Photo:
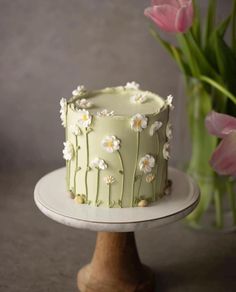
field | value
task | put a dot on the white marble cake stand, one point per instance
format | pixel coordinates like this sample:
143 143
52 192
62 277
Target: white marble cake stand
115 265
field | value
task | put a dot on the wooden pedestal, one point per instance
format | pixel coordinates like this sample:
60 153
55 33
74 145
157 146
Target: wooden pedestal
115 266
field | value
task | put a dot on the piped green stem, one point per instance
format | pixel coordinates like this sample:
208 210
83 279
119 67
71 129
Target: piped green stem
122 177
67 175
76 164
68 166
139 187
98 180
135 166
87 165
109 195
153 190
158 151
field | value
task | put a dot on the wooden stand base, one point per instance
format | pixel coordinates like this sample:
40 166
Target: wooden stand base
115 266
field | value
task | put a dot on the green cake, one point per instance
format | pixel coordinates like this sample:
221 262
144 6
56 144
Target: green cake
117 146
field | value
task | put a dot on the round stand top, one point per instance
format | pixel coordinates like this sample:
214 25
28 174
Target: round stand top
52 199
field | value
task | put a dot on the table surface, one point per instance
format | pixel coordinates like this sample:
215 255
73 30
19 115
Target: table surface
42 255
52 199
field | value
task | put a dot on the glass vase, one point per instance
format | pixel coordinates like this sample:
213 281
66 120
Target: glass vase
217 206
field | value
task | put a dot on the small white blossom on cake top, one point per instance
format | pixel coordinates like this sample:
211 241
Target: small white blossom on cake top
138 122
111 144
84 103
68 151
138 98
169 131
146 163
79 90
84 118
155 127
63 109
63 103
75 130
105 113
98 163
168 102
166 151
109 179
132 85
150 177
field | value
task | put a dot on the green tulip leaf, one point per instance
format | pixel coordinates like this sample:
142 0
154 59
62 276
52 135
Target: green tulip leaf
219 87
210 19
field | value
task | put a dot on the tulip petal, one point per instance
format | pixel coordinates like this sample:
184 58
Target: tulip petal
184 18
220 125
164 16
223 159
185 2
173 3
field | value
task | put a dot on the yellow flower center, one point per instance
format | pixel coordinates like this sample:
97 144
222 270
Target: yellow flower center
110 144
146 163
84 118
137 123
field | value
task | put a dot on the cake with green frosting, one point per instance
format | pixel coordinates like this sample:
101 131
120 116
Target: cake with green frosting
117 146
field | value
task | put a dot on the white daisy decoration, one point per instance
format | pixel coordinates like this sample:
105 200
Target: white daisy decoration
109 179
150 178
169 131
63 110
146 163
132 85
84 103
138 98
75 130
155 127
168 102
84 118
111 144
138 122
98 163
166 151
105 113
68 151
78 91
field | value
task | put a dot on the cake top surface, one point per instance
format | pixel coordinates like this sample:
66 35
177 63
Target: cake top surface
118 101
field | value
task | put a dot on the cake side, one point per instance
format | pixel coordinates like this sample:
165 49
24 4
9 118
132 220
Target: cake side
116 160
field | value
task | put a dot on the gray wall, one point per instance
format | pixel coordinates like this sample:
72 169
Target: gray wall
48 47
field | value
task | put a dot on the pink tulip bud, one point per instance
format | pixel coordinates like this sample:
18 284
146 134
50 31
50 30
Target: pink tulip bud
220 125
223 159
171 15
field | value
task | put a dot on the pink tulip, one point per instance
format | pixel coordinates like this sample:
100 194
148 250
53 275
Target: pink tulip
171 15
220 125
223 159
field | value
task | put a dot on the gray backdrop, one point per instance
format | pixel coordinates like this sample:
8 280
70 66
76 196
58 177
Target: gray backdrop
49 47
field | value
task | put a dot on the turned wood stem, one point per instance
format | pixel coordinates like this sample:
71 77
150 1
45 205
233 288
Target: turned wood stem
115 253
115 266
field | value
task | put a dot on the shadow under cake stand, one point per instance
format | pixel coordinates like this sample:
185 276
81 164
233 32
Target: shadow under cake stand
115 265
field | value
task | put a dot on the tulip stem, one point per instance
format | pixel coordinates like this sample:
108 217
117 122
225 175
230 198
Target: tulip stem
232 201
218 209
